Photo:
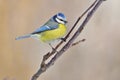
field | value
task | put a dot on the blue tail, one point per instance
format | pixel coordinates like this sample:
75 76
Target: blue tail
23 37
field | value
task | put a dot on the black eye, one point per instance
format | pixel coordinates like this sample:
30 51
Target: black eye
63 20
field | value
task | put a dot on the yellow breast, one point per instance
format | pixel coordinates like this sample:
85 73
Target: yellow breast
51 35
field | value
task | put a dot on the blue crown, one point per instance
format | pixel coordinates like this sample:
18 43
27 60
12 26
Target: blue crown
61 15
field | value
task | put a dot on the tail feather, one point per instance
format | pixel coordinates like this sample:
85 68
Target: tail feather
23 37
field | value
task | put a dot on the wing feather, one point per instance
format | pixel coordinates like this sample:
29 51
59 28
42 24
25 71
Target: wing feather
50 25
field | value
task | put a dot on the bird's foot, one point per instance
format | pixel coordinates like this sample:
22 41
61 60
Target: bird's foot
63 39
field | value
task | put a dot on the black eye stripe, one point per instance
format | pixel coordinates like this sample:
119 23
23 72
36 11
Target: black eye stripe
61 19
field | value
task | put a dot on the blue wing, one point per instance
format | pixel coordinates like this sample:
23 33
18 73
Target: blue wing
41 29
50 25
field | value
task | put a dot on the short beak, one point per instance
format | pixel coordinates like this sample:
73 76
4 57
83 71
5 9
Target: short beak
66 21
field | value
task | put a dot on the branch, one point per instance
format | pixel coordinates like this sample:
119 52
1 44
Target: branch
78 42
44 66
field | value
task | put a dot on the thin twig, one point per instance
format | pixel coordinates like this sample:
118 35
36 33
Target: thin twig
44 66
78 42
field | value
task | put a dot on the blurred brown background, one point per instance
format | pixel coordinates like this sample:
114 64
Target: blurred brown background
98 58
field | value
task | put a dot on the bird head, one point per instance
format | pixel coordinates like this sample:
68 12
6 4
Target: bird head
60 18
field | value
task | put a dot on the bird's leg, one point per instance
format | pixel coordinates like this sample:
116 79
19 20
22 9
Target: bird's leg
52 47
63 39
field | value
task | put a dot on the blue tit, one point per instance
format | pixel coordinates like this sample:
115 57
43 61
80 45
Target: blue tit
53 29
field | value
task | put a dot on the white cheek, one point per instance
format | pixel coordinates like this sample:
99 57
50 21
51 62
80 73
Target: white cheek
59 21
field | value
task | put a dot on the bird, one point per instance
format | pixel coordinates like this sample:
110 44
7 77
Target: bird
54 29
